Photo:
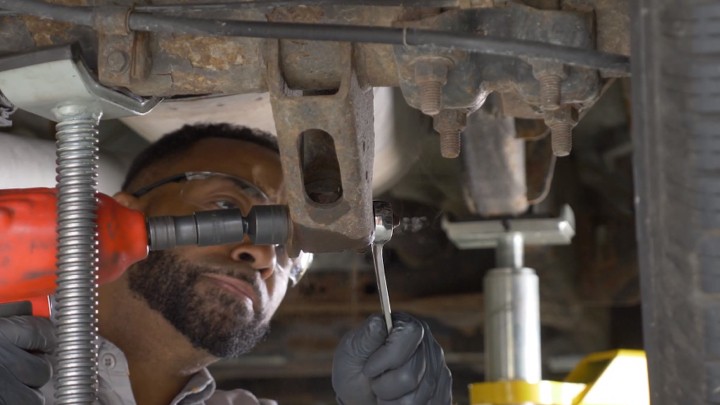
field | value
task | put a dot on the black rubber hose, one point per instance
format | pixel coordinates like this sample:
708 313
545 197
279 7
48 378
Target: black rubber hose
346 33
224 6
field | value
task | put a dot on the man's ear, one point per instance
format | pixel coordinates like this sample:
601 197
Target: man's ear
128 200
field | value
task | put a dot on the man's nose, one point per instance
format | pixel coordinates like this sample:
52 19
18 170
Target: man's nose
259 257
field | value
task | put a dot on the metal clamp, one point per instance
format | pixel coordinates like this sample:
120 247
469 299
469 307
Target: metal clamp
535 231
37 82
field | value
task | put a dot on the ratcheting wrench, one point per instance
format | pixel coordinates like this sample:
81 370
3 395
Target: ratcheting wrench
383 233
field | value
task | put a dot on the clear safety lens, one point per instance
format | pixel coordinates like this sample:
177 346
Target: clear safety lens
214 191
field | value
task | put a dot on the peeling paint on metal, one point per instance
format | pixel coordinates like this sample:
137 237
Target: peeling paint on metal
46 32
210 53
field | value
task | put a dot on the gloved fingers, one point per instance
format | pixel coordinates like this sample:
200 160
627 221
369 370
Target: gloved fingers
422 396
435 385
429 392
404 339
33 370
396 383
352 388
350 384
28 332
14 392
436 388
443 392
365 341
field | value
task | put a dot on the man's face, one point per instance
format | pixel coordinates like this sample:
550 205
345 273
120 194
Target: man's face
222 297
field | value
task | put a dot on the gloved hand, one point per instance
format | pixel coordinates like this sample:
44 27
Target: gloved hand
407 367
23 367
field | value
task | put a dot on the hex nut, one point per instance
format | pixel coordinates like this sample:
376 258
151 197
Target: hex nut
117 61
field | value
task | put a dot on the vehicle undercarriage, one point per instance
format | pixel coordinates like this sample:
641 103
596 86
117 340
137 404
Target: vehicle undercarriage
452 110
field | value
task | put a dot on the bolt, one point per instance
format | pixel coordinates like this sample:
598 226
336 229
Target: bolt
117 61
450 143
561 123
559 118
561 137
549 91
430 97
431 76
449 124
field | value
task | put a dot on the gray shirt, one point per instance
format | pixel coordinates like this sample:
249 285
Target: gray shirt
114 385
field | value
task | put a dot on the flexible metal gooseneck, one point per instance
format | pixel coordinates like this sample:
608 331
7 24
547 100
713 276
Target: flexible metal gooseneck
77 170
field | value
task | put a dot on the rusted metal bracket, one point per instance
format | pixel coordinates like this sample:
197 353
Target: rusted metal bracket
344 218
123 55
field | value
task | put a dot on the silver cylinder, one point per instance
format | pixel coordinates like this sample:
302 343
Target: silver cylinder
512 325
510 251
77 170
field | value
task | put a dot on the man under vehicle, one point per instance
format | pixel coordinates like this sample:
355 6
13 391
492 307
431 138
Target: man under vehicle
171 315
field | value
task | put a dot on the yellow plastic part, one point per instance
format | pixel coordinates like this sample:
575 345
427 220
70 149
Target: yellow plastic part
520 392
617 377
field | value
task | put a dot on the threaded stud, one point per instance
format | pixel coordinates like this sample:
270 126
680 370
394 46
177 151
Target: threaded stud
549 91
561 137
431 74
431 97
450 142
449 124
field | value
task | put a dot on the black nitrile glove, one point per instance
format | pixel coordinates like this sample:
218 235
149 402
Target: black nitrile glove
406 368
23 366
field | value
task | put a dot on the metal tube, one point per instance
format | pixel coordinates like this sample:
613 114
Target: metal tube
510 250
77 170
512 325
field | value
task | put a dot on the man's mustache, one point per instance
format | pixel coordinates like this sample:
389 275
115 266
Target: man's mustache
233 273
238 271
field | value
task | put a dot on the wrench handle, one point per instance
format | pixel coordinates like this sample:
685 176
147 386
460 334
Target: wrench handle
377 251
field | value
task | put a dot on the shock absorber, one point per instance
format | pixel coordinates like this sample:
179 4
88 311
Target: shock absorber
77 171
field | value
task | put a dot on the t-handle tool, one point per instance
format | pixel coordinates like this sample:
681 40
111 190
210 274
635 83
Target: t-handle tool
383 233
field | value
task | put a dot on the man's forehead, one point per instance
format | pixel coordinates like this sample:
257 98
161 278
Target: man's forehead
246 160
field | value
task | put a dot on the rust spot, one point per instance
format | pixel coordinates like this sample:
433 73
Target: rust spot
189 82
209 53
46 32
305 14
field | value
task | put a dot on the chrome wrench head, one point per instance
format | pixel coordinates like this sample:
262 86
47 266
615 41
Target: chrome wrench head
383 222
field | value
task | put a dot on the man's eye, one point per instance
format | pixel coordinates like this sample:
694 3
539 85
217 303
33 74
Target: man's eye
225 205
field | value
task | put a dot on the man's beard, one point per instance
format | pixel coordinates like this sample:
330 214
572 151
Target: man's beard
168 284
